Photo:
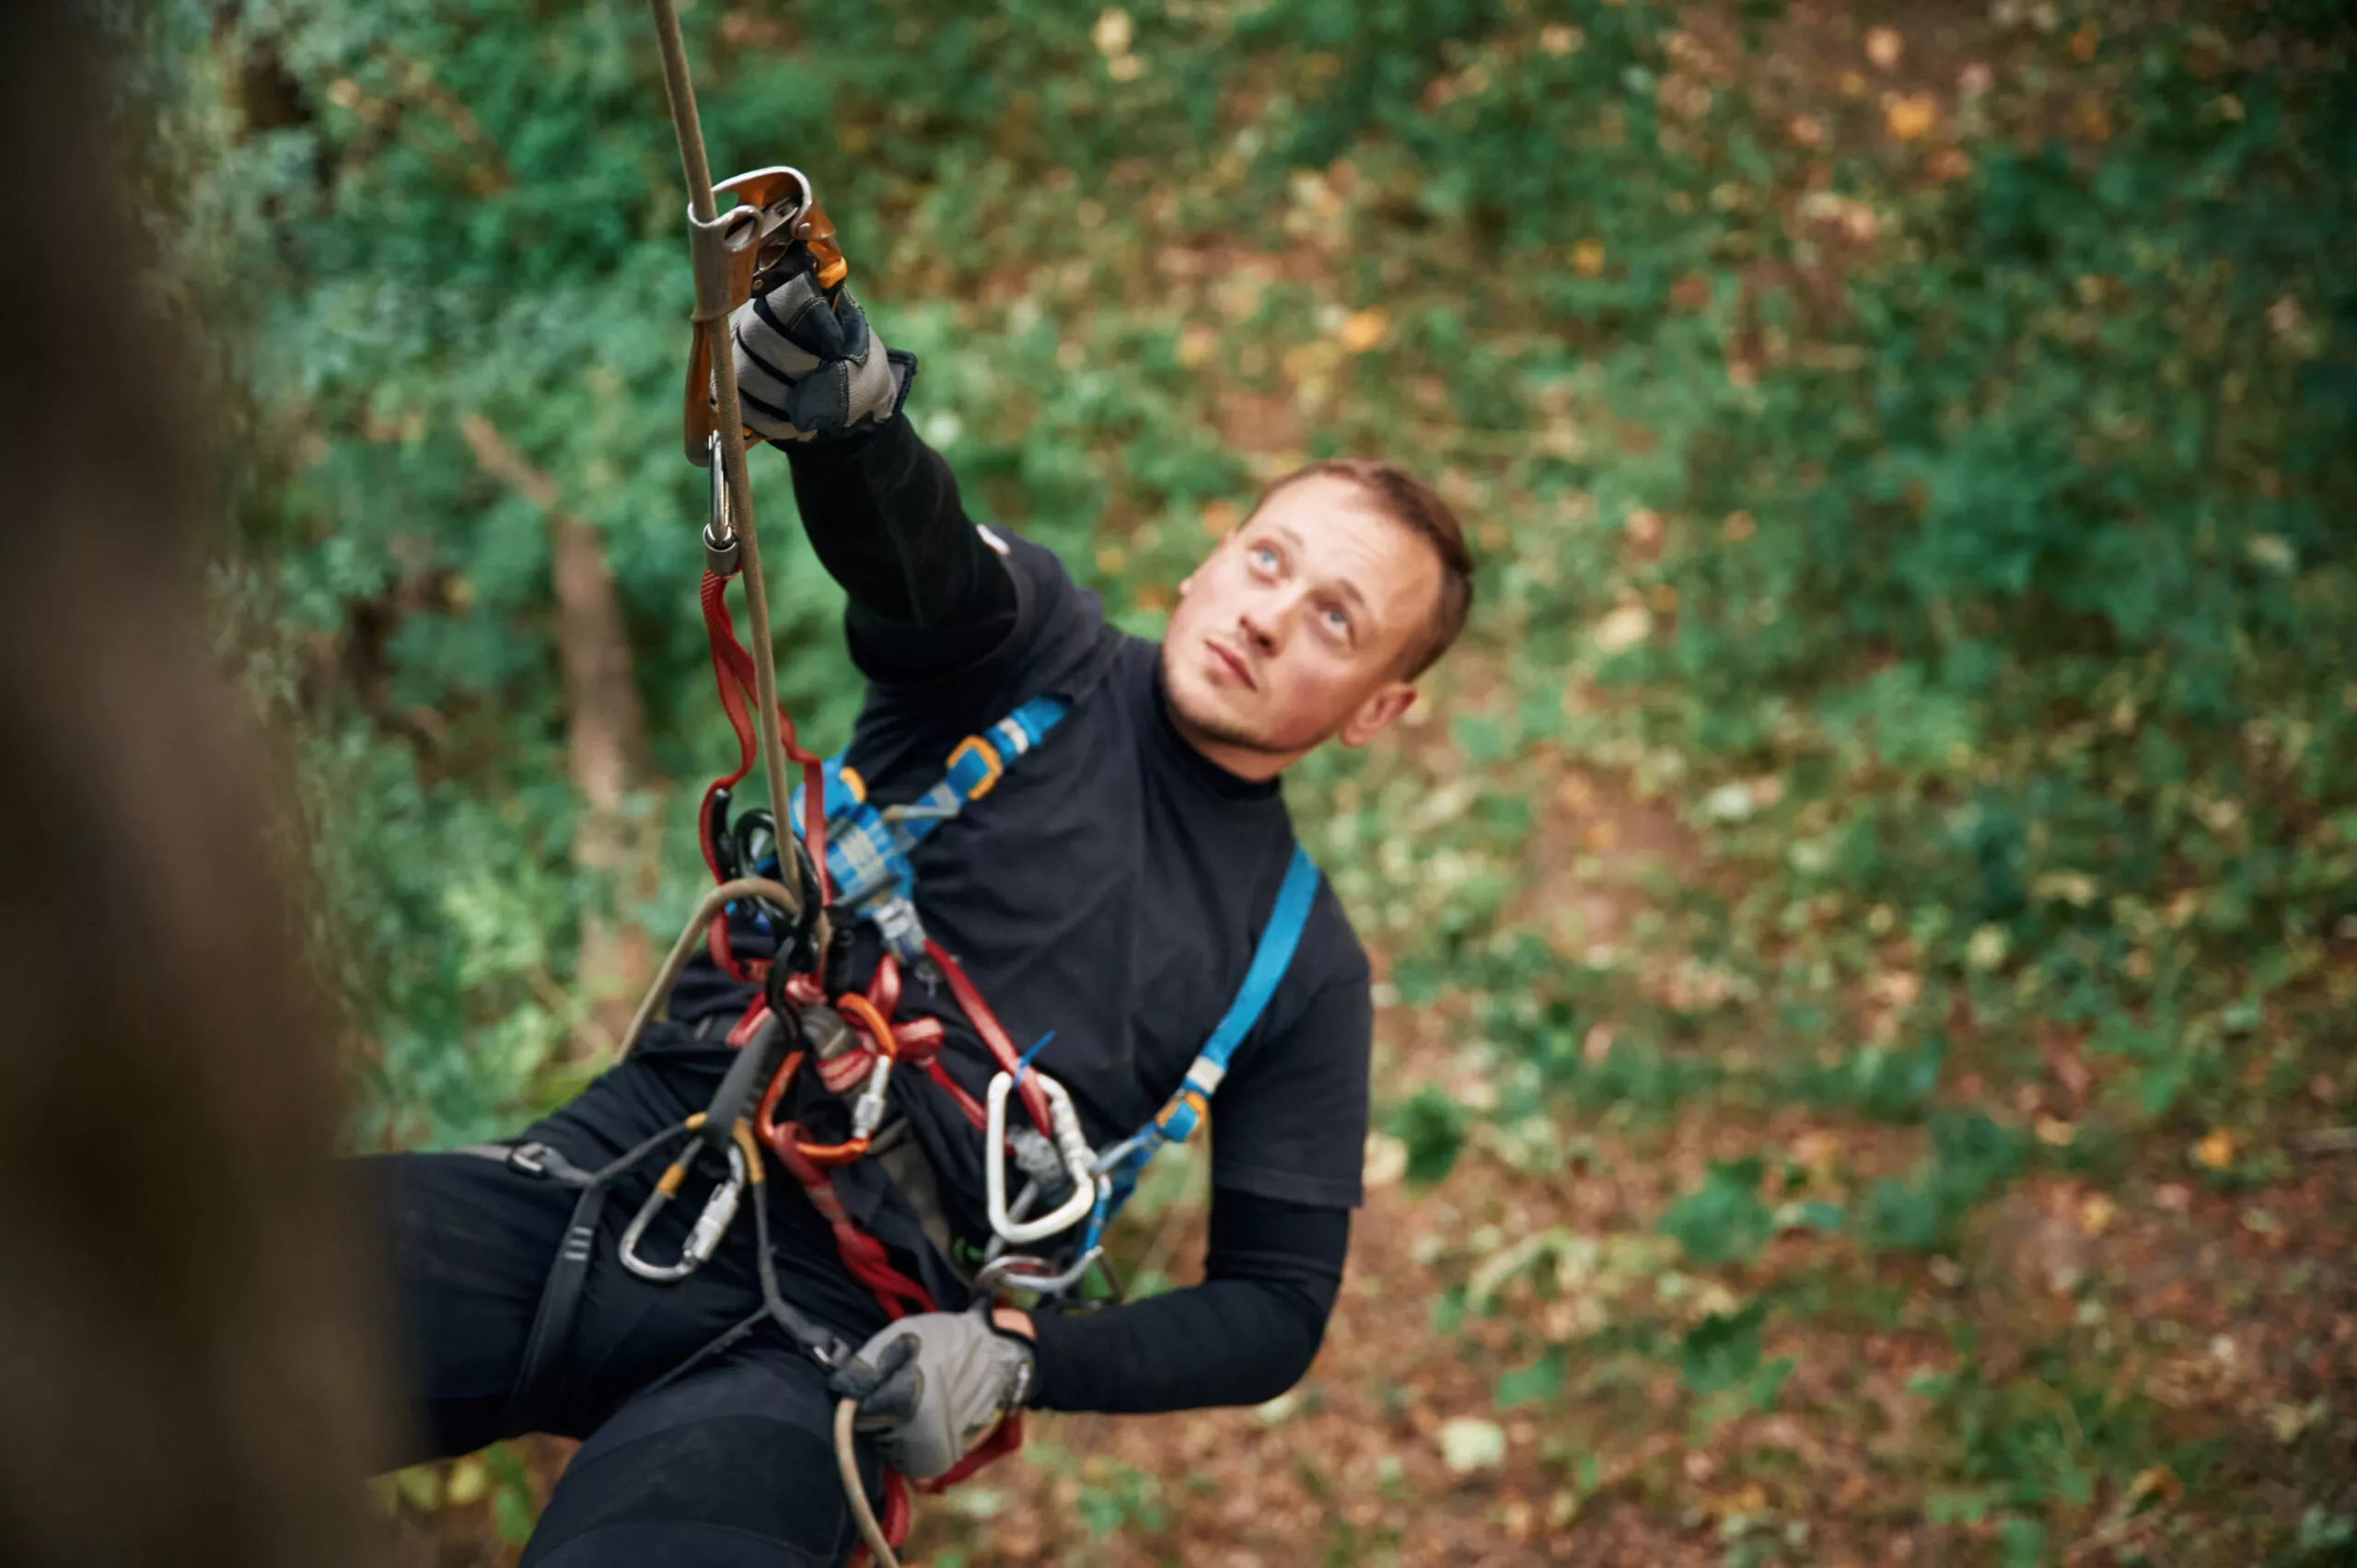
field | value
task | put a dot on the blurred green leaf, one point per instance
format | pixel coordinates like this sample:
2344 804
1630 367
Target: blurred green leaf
1432 1125
1723 1221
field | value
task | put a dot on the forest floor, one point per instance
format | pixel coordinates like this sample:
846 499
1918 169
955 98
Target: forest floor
2152 1367
1671 1327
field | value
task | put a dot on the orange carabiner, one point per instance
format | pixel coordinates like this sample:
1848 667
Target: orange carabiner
867 1111
863 1013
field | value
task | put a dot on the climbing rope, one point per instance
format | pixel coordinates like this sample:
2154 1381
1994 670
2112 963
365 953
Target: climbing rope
711 313
736 517
847 1463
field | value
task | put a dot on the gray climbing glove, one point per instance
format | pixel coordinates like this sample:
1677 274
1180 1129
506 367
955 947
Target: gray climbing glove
933 1386
808 367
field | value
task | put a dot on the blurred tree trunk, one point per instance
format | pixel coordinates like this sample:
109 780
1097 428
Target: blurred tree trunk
193 1359
605 741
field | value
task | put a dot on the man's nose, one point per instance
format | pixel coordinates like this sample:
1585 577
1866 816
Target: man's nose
1264 618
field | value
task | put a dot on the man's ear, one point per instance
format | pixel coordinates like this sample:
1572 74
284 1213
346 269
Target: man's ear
1379 713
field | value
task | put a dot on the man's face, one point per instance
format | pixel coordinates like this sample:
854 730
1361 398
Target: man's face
1296 628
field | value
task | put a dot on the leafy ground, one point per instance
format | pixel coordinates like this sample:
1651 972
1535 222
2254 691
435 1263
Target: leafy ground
1867 923
1612 1341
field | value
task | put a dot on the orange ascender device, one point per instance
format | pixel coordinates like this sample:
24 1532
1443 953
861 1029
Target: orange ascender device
776 210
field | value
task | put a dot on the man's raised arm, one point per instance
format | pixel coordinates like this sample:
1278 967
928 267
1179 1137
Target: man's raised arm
928 594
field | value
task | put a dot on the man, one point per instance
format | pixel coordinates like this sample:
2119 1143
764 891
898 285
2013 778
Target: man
1110 891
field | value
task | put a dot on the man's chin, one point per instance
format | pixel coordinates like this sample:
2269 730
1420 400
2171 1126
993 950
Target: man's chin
1202 718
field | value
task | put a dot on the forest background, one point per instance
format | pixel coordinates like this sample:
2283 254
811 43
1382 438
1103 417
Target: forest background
1867 926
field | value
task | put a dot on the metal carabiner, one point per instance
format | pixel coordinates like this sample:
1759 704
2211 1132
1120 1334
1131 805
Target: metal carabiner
1013 1271
1064 1121
721 556
704 1239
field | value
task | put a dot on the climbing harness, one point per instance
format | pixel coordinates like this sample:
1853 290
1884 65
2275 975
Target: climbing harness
836 854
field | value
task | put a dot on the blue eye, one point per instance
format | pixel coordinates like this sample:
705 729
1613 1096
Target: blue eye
1262 555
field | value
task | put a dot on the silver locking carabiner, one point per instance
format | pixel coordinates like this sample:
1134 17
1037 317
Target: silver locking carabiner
704 1239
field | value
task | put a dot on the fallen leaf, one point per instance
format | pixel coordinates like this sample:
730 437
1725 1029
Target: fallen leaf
1364 328
2096 1214
1196 346
468 1480
1884 46
1387 1160
1728 803
1587 258
1625 628
1468 1443
1747 1502
2216 1151
1276 1412
1111 33
1909 117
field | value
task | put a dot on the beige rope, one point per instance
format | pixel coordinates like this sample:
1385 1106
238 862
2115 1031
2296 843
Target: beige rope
847 1462
680 89
690 938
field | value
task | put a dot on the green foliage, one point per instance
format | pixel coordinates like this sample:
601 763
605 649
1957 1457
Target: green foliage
514 1504
1723 1221
2034 611
1720 1360
2021 1446
1539 1382
1953 555
1970 1156
1432 1127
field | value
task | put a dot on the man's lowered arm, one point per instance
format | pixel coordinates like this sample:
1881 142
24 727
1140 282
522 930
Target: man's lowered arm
1242 1337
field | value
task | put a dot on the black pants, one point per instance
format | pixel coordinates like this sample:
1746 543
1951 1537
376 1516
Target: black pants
729 1467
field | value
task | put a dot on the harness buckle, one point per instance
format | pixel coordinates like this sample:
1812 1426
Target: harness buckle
991 766
704 1239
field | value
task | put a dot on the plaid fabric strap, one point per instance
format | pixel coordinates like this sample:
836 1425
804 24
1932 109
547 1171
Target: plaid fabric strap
868 846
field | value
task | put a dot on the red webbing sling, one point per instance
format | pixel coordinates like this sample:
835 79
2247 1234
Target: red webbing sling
732 669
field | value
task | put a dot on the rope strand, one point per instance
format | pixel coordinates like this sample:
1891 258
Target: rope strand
680 88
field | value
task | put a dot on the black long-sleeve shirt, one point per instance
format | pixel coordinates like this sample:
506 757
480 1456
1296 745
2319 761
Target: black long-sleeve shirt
1111 888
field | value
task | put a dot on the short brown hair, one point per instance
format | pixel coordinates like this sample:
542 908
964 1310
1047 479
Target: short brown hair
1406 500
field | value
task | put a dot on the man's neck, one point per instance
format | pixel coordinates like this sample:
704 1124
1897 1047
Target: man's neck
1251 763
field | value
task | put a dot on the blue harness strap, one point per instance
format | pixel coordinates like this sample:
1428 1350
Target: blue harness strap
1184 1112
1186 1109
